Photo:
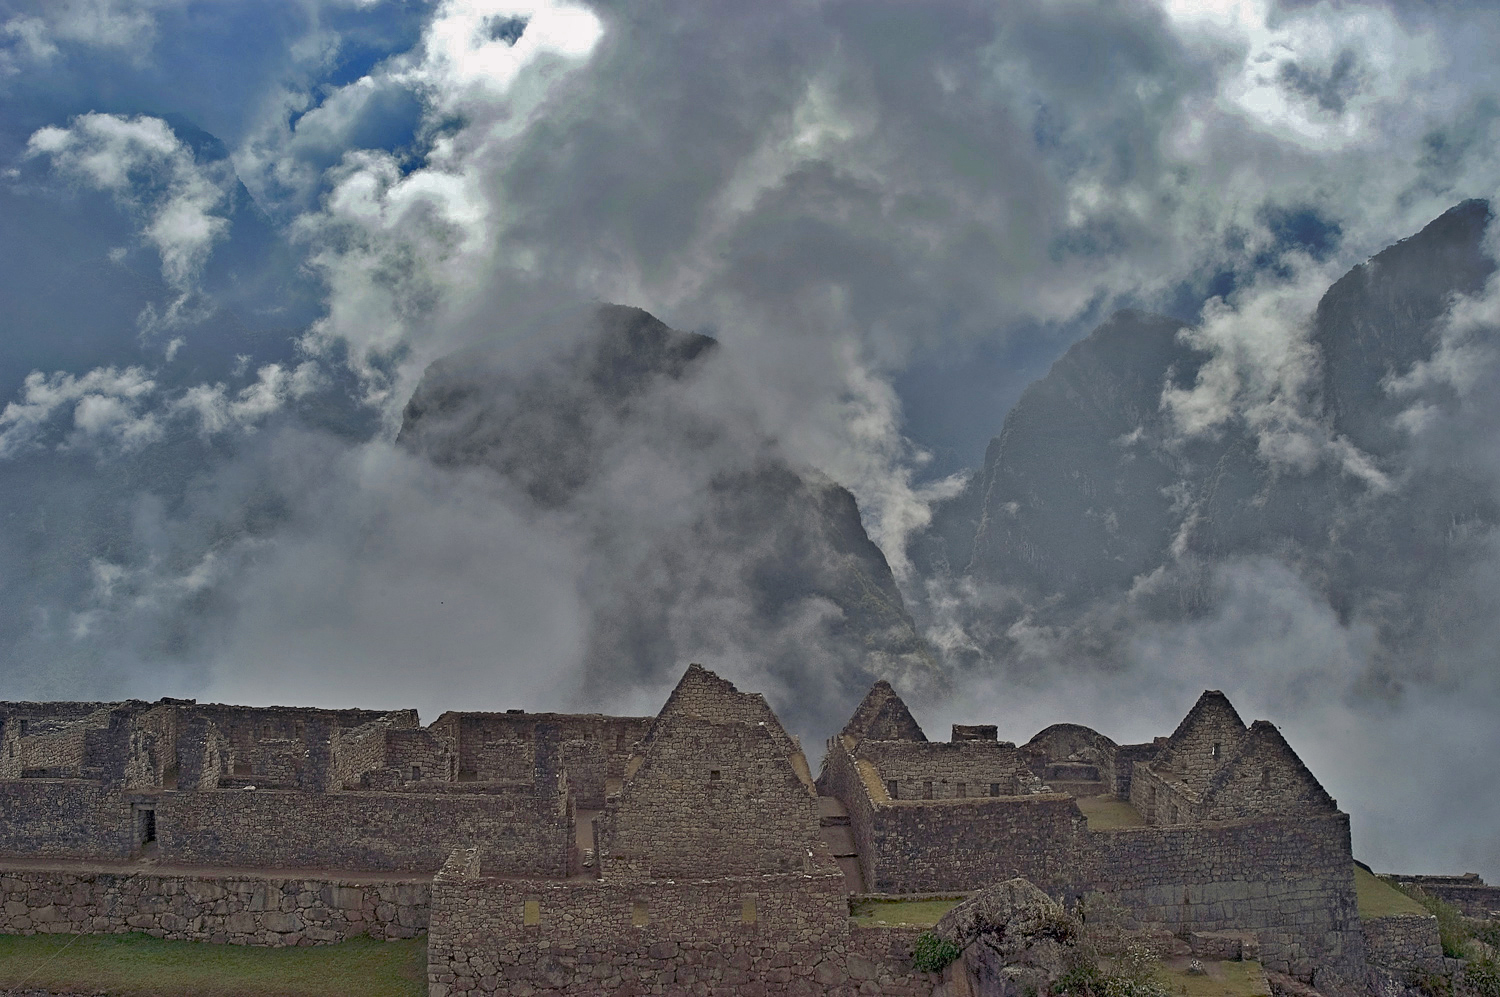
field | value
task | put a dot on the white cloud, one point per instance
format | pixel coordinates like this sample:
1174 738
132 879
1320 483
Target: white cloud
128 27
106 405
1261 373
145 167
217 410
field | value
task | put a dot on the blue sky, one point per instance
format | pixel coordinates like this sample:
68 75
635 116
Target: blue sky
232 235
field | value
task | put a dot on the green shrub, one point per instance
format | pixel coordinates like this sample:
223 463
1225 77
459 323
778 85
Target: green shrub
1482 977
933 954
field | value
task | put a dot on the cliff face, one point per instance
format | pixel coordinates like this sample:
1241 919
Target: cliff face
1088 491
700 544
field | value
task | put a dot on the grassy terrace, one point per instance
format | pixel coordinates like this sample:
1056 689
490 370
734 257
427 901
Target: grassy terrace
1378 898
908 913
1105 813
137 965
1220 979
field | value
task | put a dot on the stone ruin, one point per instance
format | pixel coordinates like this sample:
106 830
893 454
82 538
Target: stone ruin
692 851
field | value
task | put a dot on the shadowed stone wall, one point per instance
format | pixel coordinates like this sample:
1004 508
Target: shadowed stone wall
519 833
238 910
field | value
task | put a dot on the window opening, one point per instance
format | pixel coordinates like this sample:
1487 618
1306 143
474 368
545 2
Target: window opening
927 789
1216 751
963 790
714 775
416 773
1265 776
994 789
890 789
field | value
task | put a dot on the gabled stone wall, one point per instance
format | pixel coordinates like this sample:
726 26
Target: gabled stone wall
1264 777
709 797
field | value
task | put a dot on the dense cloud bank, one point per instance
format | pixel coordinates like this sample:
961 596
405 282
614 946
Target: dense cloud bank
231 265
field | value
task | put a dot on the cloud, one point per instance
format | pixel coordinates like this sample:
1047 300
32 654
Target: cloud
118 412
102 24
107 407
147 169
218 411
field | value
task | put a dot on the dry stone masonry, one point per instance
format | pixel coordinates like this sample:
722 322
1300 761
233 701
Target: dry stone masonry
691 852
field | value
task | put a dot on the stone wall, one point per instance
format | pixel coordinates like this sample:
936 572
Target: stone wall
710 798
355 752
784 934
1161 800
944 770
519 833
47 818
1127 757
1406 943
239 910
502 747
1468 893
1290 881
152 761
961 845
1264 777
1057 749
1203 743
703 695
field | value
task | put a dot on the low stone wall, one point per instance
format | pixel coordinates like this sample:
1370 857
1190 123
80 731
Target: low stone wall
774 934
1475 901
1406 943
238 910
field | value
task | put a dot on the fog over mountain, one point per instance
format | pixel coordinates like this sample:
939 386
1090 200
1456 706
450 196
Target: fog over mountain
469 354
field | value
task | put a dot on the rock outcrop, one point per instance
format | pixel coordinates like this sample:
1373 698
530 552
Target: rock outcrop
1013 939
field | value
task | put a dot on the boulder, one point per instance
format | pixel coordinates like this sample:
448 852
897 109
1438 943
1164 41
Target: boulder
1012 937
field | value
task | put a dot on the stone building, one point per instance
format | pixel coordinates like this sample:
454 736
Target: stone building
579 854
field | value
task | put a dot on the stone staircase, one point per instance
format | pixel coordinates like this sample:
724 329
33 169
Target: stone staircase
833 821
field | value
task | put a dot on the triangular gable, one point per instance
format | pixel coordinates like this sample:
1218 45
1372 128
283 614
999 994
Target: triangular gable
1200 747
1213 707
702 694
882 716
1265 776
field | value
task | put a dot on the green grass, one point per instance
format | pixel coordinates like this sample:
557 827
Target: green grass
137 965
1105 813
913 913
1220 979
1377 898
